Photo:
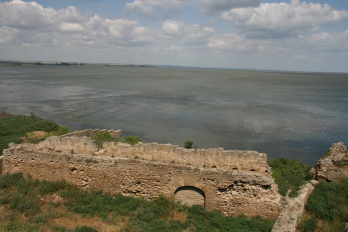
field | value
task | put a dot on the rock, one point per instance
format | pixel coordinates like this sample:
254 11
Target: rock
334 166
314 182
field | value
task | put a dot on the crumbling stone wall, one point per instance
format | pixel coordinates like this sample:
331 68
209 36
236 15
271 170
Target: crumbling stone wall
213 157
292 212
234 182
328 168
92 133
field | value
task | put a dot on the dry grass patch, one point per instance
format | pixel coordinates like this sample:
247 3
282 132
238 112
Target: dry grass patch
35 136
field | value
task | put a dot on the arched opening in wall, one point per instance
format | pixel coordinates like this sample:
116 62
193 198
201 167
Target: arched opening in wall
190 195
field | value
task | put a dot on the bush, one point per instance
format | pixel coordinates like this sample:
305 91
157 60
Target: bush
308 225
132 140
203 220
289 174
188 144
18 226
329 200
104 136
63 130
24 195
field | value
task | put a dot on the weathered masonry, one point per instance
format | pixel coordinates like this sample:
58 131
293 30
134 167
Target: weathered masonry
231 181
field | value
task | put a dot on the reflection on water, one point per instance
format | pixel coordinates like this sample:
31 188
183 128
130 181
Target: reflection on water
288 114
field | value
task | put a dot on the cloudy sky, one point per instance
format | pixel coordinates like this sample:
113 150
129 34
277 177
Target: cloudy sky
248 34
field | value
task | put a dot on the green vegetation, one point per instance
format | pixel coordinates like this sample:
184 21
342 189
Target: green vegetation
77 229
105 136
329 202
327 153
132 140
308 225
22 196
13 128
341 163
289 174
189 145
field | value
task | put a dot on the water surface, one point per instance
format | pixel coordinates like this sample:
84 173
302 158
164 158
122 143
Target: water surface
284 114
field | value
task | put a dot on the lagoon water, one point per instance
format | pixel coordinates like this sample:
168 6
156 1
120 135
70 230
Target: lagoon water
284 114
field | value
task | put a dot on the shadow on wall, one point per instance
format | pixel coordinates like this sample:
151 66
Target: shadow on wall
190 195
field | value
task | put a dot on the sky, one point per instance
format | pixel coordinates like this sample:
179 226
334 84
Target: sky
291 35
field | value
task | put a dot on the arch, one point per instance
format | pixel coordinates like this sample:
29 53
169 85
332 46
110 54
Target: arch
190 195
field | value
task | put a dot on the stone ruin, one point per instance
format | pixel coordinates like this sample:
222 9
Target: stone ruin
231 181
334 166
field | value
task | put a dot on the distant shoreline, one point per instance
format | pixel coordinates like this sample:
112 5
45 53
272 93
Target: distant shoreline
38 63
53 63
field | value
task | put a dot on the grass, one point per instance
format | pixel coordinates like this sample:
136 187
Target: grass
289 175
327 154
21 198
308 225
105 136
329 202
13 128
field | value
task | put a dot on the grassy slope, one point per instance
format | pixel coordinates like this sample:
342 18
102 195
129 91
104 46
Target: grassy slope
14 127
289 175
328 207
31 205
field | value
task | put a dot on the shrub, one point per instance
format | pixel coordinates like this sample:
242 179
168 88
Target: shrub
132 140
18 226
44 217
24 195
104 136
63 130
329 201
8 180
289 174
188 144
308 225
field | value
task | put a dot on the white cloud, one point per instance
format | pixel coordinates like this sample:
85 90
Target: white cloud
215 6
197 35
232 42
174 48
22 15
7 35
167 8
35 24
103 7
283 19
325 42
170 8
172 28
71 27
